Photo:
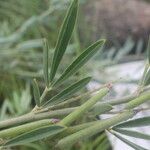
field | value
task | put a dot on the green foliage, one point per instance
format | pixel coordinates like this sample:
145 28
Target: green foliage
132 133
46 62
80 61
68 91
64 37
139 122
19 104
133 145
65 128
36 93
35 135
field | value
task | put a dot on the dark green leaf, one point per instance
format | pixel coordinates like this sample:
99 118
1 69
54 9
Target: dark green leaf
68 91
140 122
80 61
148 50
35 135
46 62
36 93
64 37
133 145
133 133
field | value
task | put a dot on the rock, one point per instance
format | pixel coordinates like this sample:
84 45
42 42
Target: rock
117 19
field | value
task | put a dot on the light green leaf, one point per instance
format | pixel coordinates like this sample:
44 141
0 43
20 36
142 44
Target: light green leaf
140 122
36 93
80 61
35 135
133 133
46 62
64 37
131 144
68 91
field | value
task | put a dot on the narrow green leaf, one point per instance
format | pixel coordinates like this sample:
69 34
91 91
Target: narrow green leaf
64 37
36 93
133 133
46 62
80 61
148 50
35 135
140 122
68 92
133 145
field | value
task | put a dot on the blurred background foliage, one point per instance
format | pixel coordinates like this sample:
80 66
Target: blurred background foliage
24 24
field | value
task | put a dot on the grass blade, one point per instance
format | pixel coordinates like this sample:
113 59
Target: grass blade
68 91
133 133
80 61
140 122
35 135
131 144
46 62
36 93
64 37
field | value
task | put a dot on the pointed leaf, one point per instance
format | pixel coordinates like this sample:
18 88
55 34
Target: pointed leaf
35 135
64 37
36 93
133 133
80 61
68 91
133 145
140 122
46 62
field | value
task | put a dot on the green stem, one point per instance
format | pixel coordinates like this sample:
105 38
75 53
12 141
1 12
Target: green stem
117 101
34 117
14 131
127 99
46 90
96 128
73 129
85 107
138 101
46 115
